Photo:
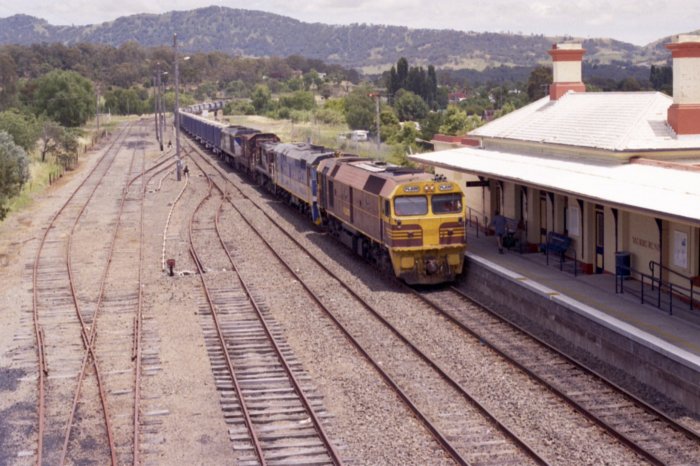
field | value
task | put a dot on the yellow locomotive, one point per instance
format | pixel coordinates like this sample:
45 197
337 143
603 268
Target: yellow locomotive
395 216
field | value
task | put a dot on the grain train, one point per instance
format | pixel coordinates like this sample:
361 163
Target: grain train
402 219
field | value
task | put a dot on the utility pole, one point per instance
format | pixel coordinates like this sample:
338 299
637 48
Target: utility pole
377 96
155 103
177 112
97 109
161 106
159 109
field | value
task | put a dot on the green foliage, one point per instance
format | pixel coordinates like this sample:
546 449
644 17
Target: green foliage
14 170
65 96
236 88
537 83
261 98
205 91
128 101
23 128
430 125
457 122
504 110
330 116
661 78
299 100
390 125
409 106
413 79
359 109
8 81
239 107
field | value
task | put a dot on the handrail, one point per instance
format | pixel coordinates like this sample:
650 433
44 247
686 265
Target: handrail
657 284
653 264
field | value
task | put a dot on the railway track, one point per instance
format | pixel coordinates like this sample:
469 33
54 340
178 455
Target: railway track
274 414
475 435
649 432
88 386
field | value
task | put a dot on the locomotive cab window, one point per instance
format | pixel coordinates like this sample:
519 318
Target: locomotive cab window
411 205
446 203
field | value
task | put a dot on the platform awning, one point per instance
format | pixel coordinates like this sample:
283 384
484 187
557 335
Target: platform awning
662 192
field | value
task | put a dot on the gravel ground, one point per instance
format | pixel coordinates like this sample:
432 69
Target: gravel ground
182 422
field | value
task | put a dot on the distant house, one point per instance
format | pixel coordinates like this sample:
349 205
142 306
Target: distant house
456 97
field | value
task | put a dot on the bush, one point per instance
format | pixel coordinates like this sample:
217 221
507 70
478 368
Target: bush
14 170
330 116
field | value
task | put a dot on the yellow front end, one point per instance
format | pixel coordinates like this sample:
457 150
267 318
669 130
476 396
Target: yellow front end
425 232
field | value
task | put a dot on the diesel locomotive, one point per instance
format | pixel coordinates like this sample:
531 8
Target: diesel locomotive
402 219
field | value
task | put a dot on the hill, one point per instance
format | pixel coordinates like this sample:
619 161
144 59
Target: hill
370 48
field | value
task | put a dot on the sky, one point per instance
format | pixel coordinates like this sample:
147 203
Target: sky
636 21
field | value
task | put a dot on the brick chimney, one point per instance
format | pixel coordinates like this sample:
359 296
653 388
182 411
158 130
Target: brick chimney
684 114
566 68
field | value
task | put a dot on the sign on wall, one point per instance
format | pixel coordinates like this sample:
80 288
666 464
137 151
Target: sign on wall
680 249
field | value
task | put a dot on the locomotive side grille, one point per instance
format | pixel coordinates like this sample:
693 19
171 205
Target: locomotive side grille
451 233
402 236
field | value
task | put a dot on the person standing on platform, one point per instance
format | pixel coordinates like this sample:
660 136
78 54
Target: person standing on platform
498 223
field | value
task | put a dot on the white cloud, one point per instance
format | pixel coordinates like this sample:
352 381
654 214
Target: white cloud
637 21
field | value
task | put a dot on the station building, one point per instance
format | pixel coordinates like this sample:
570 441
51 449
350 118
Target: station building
616 172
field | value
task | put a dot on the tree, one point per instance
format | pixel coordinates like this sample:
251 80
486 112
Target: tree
261 98
401 73
65 96
359 109
8 81
661 78
431 97
457 122
537 83
23 128
409 106
14 170
49 138
390 125
430 125
299 100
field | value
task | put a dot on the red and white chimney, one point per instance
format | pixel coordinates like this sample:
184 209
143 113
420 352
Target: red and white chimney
684 114
566 69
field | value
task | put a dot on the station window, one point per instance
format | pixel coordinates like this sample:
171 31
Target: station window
446 203
411 205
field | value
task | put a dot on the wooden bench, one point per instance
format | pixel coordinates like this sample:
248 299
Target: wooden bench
558 244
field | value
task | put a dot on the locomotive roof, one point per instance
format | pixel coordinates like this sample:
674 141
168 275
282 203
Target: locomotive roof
235 130
303 151
370 175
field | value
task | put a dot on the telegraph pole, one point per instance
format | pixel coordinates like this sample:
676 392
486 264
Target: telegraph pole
155 103
161 109
177 112
97 109
377 96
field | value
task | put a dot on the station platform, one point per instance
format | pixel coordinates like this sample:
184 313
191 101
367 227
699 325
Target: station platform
646 342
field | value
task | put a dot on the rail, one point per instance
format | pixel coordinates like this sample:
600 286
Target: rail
473 220
658 286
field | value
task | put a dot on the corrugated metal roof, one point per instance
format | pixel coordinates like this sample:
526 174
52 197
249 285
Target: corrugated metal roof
664 192
614 121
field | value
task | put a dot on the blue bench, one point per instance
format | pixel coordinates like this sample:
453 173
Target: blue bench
558 244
